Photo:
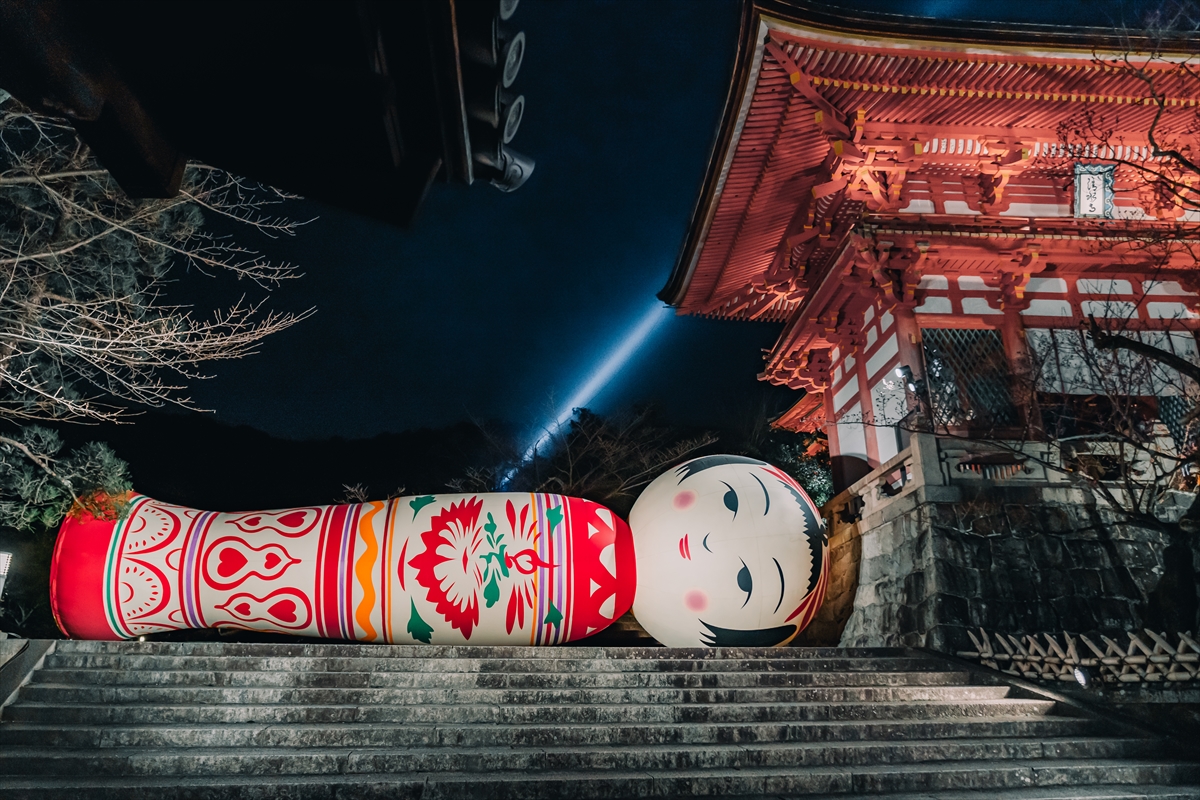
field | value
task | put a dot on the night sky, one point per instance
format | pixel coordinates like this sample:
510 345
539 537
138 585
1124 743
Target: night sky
502 307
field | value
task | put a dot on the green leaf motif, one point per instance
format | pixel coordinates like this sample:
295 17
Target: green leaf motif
490 525
419 629
491 592
554 516
553 616
498 556
417 503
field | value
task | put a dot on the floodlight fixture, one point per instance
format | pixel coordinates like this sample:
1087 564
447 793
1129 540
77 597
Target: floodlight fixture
1083 676
905 373
5 563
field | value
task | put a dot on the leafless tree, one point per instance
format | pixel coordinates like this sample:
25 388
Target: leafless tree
86 326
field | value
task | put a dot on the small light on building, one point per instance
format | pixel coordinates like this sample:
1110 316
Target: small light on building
141 638
1083 676
5 563
905 373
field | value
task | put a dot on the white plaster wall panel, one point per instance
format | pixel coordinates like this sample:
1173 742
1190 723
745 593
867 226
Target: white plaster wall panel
1169 311
886 352
1104 287
1171 288
935 282
1048 308
885 321
935 305
1055 285
974 283
919 206
846 393
890 404
852 438
959 207
978 305
1121 211
1121 309
1037 210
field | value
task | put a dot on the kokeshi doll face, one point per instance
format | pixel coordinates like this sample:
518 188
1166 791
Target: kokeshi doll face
505 568
731 552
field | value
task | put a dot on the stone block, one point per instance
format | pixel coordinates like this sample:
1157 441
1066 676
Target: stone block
1093 558
1112 613
952 579
1046 550
1087 583
1056 582
946 609
1021 584
1056 519
915 586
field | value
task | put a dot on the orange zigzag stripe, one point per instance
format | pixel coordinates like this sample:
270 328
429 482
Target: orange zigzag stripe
364 570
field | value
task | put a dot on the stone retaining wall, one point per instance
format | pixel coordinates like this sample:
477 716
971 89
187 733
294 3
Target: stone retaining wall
939 557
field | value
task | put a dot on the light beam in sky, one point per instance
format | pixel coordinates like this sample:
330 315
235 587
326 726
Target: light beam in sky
617 358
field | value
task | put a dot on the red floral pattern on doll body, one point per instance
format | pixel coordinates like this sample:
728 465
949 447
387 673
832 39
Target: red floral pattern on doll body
448 568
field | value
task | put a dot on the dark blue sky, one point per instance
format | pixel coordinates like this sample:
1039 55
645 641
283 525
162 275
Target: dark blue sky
501 306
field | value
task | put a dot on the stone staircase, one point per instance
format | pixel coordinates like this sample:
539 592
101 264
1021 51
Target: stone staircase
158 720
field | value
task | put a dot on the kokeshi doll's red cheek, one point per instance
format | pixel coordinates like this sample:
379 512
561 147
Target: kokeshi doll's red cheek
484 569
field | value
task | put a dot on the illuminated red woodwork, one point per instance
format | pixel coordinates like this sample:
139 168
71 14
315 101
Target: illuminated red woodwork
871 183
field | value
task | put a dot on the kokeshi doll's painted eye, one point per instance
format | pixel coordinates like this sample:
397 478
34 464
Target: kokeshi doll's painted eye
501 568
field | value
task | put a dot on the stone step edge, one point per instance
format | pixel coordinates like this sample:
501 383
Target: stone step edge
457 650
25 752
668 774
1022 701
950 689
102 671
960 720
66 661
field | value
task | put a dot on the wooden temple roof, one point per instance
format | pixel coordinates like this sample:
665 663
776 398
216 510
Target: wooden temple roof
833 122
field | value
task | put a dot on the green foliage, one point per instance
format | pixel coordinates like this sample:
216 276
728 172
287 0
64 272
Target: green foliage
791 453
39 485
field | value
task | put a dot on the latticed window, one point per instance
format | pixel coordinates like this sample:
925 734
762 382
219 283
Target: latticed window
968 377
1179 415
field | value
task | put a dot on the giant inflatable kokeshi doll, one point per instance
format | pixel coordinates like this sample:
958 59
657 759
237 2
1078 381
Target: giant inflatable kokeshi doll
506 568
731 552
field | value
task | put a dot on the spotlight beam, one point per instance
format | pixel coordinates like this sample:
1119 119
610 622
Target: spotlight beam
616 359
